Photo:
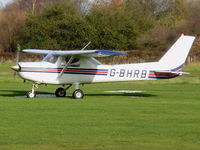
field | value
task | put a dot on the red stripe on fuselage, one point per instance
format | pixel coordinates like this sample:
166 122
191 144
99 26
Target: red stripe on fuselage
86 71
161 74
69 70
53 70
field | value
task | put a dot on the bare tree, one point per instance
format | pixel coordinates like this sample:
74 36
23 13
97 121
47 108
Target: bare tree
33 6
10 22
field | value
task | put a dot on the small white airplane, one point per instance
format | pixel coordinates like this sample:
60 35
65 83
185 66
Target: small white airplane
80 67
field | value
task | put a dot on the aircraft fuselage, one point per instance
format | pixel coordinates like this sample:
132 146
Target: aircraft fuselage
47 73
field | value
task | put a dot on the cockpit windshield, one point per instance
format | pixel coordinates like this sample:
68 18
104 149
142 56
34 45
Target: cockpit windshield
51 58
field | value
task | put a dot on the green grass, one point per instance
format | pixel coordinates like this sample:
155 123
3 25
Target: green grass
164 117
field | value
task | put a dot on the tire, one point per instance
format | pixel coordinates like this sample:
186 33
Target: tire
31 94
60 92
78 94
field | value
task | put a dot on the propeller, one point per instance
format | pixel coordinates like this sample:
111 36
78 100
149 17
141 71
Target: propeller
18 53
16 67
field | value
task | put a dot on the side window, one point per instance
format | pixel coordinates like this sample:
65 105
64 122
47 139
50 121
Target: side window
75 62
53 59
64 61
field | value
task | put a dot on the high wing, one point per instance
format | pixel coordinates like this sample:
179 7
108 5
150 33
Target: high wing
88 53
73 53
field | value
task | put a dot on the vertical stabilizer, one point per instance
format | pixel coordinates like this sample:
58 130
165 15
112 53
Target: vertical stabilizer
177 54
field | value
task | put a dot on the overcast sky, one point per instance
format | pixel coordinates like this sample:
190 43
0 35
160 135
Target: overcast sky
4 2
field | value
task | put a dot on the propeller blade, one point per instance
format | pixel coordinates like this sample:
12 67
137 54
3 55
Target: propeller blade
18 53
17 60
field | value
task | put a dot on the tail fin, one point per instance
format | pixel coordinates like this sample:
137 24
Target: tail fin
177 54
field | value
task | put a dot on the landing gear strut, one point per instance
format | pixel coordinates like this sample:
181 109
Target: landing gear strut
32 94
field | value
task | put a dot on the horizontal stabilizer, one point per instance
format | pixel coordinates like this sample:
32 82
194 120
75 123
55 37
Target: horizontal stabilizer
170 72
87 53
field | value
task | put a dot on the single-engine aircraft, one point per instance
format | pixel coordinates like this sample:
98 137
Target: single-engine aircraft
79 67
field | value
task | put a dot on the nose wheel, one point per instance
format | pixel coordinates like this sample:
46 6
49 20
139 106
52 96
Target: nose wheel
32 94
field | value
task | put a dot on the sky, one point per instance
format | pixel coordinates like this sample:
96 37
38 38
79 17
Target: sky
4 2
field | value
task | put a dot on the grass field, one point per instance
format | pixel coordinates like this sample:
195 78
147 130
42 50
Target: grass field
163 117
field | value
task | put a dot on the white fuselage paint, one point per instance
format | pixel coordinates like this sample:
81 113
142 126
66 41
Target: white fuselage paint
47 73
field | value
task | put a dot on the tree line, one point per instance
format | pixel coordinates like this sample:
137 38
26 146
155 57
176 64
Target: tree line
114 24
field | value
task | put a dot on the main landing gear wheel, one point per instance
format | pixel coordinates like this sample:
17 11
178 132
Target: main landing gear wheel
78 94
31 94
60 92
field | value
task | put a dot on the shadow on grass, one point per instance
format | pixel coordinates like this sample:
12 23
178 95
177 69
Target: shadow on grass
123 94
15 93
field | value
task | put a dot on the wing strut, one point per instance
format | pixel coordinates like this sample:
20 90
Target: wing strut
70 60
86 46
68 63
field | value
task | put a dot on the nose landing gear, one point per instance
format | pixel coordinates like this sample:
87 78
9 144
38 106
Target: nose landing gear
32 94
